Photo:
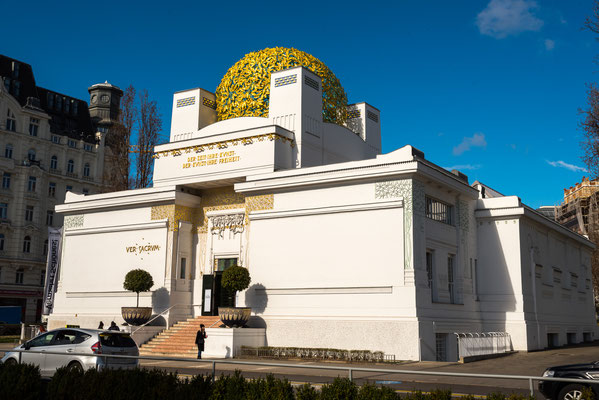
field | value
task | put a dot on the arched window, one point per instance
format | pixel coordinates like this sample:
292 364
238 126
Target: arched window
27 244
8 151
86 169
11 121
31 155
70 166
1 241
54 162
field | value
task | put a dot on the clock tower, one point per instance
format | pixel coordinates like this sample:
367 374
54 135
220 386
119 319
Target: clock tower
104 104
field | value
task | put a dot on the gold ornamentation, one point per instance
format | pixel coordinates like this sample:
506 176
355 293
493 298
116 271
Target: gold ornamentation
224 144
174 214
245 89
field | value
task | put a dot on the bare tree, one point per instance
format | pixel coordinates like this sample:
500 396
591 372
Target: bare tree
590 128
149 127
590 156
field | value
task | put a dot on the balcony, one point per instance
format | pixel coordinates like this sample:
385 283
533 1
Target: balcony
55 171
71 175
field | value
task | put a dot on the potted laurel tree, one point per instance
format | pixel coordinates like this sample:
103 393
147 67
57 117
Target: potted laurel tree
137 280
235 278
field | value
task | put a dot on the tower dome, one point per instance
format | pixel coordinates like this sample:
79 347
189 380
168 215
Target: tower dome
244 91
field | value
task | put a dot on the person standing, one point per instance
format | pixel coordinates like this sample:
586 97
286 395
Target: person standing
113 327
200 338
101 326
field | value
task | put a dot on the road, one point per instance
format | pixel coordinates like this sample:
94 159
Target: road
530 364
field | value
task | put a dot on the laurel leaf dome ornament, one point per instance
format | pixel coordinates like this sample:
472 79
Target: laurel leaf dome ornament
244 91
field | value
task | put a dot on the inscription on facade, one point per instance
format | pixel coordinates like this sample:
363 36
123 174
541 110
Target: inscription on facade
203 160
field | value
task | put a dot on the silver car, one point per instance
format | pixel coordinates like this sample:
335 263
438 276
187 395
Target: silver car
76 340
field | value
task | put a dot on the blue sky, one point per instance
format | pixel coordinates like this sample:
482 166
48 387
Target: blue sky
492 87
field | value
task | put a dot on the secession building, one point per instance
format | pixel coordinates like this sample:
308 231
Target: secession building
50 144
347 248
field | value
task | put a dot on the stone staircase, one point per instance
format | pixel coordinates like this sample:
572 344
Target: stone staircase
179 339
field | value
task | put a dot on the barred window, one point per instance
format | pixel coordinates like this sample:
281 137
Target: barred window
439 211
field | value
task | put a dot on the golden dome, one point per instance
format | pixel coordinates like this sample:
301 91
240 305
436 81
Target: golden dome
244 91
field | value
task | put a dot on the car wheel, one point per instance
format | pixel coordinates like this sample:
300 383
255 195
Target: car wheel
571 392
10 361
75 366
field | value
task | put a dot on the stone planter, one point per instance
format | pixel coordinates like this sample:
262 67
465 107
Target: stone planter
234 317
136 315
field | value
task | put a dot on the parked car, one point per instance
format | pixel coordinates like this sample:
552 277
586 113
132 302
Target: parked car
76 340
566 390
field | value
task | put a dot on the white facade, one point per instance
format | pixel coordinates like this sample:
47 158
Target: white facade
347 248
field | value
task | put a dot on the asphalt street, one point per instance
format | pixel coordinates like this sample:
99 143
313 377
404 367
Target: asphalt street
528 364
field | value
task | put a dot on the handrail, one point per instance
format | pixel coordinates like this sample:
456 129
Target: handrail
215 323
159 314
350 370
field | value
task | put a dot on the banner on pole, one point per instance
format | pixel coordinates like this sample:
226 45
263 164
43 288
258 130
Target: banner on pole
52 268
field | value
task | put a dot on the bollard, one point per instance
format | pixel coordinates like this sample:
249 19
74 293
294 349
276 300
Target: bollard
213 370
22 332
350 375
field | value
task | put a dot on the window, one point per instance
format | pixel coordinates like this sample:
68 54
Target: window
430 273
42 277
52 189
46 247
222 264
67 105
19 276
75 107
70 166
7 84
69 188
27 244
475 279
50 99
15 69
34 125
29 213
31 184
54 162
557 275
86 170
72 144
439 211
55 139
3 210
182 268
31 155
8 151
573 280
6 180
451 278
58 103
87 147
85 191
49 217
11 122
16 88
441 346
1 241
102 129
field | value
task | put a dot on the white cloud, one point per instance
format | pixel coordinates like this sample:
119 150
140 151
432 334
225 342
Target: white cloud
477 140
464 167
502 18
549 44
561 164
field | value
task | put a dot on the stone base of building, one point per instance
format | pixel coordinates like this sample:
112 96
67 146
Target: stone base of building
227 342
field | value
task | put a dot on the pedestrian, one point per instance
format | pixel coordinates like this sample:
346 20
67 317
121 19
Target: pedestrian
200 337
113 327
101 326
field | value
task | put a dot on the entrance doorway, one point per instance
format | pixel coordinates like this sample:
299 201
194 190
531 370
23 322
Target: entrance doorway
213 294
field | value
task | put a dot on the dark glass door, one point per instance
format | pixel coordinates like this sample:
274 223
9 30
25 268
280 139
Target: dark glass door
213 294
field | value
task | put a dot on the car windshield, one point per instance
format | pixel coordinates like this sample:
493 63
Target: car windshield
116 340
